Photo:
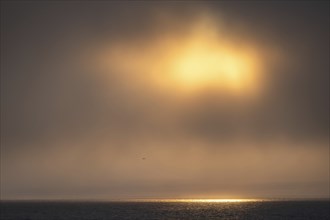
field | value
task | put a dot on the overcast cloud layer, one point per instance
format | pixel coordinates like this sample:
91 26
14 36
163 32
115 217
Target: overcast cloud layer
70 129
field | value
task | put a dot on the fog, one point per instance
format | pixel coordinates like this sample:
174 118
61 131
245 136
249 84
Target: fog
91 108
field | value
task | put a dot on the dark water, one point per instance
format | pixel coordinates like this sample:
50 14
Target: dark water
166 210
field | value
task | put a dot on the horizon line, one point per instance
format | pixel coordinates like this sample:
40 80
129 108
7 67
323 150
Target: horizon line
205 200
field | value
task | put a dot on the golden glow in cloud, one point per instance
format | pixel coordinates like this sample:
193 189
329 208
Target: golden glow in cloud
207 64
203 58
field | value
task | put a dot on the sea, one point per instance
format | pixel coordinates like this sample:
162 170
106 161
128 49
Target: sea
161 210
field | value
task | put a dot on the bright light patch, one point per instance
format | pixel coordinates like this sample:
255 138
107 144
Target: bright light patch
203 67
199 200
218 200
204 58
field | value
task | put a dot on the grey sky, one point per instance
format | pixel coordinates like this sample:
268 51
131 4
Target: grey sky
69 132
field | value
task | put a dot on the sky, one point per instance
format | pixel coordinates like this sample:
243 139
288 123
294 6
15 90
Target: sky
125 100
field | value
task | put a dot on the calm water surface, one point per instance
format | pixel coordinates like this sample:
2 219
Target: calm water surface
165 210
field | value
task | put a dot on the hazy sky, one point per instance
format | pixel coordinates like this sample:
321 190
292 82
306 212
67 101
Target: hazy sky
117 100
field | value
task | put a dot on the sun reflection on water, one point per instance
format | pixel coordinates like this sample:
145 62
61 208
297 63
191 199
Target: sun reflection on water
200 200
218 200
